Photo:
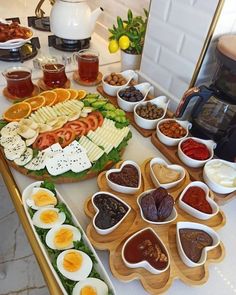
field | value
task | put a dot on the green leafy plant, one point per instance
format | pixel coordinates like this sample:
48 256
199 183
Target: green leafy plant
129 34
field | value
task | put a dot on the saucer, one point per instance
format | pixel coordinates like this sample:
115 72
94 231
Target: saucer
12 98
76 78
45 87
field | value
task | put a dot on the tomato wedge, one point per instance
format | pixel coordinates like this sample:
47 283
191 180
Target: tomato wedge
45 140
99 117
65 136
93 121
78 127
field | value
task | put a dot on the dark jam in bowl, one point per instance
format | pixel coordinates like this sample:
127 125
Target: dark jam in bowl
193 241
111 211
128 176
146 246
19 83
54 75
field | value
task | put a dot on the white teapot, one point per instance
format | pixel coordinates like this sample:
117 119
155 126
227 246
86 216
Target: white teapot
73 19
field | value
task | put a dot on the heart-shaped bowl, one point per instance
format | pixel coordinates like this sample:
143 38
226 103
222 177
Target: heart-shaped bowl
210 144
160 102
213 169
170 219
113 89
171 141
193 211
177 168
144 263
195 226
106 231
120 188
128 106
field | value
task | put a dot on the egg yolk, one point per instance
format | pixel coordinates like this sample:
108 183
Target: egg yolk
63 238
42 198
72 261
49 216
88 290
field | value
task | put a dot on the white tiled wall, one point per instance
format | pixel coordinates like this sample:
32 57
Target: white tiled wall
113 8
175 36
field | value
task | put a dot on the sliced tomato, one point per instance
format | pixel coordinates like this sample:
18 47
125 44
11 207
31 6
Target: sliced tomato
45 140
93 122
87 122
99 117
65 136
80 128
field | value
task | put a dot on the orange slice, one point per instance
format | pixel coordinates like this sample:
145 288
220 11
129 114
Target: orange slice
81 94
36 102
50 97
17 111
73 93
62 94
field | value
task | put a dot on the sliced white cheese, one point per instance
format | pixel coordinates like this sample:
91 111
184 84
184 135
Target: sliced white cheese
79 162
10 129
9 142
74 148
58 165
16 151
38 162
25 158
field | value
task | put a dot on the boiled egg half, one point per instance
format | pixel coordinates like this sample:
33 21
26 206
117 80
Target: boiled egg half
75 265
90 286
61 237
48 218
41 198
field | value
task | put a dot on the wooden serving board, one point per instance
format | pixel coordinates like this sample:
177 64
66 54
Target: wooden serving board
129 115
154 284
171 153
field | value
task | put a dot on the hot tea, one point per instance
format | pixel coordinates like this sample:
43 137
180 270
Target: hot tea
88 64
19 83
54 75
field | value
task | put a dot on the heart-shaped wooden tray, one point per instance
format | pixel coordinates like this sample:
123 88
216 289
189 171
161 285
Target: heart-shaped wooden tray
154 284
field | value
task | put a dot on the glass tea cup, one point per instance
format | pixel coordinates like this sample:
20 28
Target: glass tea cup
54 74
19 83
88 64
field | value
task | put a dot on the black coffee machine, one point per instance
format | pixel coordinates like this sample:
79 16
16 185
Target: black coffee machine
214 113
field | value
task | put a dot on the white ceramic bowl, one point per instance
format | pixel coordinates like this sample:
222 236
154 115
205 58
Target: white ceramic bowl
113 89
194 212
110 229
192 225
145 88
145 264
160 102
120 188
171 218
177 168
210 144
169 140
213 185
16 43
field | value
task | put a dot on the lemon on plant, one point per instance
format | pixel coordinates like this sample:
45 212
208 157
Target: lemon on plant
124 42
113 46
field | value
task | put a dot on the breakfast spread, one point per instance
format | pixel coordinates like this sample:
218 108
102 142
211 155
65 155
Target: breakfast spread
196 198
150 111
131 94
63 136
71 257
111 211
115 79
145 246
193 242
221 174
195 150
165 174
157 205
128 176
172 129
